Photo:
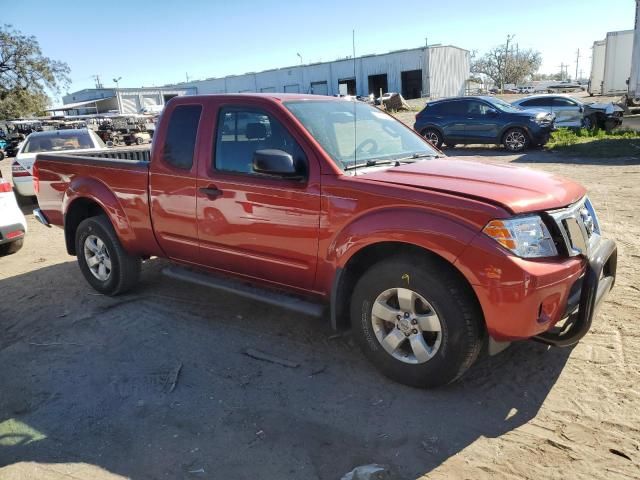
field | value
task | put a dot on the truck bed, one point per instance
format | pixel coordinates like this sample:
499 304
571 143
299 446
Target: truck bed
118 177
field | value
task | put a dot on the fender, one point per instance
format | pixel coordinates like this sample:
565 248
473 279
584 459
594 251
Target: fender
422 228
431 231
95 190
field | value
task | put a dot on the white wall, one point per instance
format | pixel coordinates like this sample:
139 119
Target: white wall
447 72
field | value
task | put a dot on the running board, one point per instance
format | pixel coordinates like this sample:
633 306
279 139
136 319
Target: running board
272 297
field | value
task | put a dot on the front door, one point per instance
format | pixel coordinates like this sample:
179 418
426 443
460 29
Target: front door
482 121
172 184
256 225
568 113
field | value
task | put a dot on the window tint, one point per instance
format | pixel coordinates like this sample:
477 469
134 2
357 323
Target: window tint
563 102
180 142
243 131
476 109
434 108
537 102
454 108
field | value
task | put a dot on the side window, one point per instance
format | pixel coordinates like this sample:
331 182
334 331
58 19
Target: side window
434 108
180 141
242 131
455 108
537 102
476 109
563 102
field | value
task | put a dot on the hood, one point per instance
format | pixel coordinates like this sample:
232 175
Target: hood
517 189
608 108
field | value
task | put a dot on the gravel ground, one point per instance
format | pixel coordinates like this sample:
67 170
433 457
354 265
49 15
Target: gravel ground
155 384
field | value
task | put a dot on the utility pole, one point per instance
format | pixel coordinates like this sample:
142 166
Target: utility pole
117 82
577 63
186 74
505 63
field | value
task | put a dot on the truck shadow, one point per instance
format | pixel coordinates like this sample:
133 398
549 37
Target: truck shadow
157 384
540 155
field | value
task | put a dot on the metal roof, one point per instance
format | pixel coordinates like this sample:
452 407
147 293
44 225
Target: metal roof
72 106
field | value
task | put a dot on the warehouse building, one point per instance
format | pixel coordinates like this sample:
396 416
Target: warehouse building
435 71
118 100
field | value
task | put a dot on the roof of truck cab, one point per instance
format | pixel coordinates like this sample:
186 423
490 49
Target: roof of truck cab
280 97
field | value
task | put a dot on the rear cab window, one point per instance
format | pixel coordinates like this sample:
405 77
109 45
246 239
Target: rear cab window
180 141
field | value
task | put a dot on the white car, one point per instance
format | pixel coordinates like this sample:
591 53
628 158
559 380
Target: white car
78 140
13 225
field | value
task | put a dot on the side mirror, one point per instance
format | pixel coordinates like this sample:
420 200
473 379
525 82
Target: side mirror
581 109
492 112
109 143
274 162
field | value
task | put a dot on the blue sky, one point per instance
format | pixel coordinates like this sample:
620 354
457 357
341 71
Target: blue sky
159 42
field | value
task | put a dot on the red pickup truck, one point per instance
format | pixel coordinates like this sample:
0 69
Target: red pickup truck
329 206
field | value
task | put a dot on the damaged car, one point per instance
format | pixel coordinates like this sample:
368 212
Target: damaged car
572 113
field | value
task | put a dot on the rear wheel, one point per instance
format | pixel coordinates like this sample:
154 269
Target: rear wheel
515 140
416 321
433 136
13 247
104 263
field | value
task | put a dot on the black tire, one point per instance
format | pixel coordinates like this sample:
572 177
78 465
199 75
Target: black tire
433 136
516 146
12 247
452 300
125 268
1 155
590 122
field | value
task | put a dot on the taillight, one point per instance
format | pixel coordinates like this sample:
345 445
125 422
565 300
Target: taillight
36 179
18 170
5 187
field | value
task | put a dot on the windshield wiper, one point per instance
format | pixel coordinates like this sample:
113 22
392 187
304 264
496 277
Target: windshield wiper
415 157
395 161
369 163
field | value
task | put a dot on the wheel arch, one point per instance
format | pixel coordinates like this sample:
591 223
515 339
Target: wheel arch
358 263
89 198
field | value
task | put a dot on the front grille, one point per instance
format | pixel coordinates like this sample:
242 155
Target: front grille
578 227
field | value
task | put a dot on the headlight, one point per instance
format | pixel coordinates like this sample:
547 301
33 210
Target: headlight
527 237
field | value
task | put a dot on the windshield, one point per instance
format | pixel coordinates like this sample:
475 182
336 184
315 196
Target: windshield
354 133
59 141
504 106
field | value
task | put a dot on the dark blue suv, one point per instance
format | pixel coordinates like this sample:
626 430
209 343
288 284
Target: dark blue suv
482 120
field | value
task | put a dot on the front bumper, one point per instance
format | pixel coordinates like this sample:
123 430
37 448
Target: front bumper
598 280
523 299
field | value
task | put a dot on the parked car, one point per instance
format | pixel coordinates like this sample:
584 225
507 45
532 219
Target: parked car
428 259
80 140
482 120
13 225
14 142
572 113
527 90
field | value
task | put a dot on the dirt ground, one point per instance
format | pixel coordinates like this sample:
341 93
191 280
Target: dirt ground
155 384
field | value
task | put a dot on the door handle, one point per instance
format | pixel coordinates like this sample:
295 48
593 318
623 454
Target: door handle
211 192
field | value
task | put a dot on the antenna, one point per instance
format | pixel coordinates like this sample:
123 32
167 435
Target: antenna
355 128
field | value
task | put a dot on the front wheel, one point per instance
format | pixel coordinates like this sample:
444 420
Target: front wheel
418 322
433 136
104 263
515 140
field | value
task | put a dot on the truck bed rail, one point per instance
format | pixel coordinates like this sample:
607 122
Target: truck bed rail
140 154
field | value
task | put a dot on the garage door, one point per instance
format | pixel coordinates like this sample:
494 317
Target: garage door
319 88
130 104
292 88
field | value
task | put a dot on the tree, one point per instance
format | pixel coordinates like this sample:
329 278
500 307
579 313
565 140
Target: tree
507 66
26 74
